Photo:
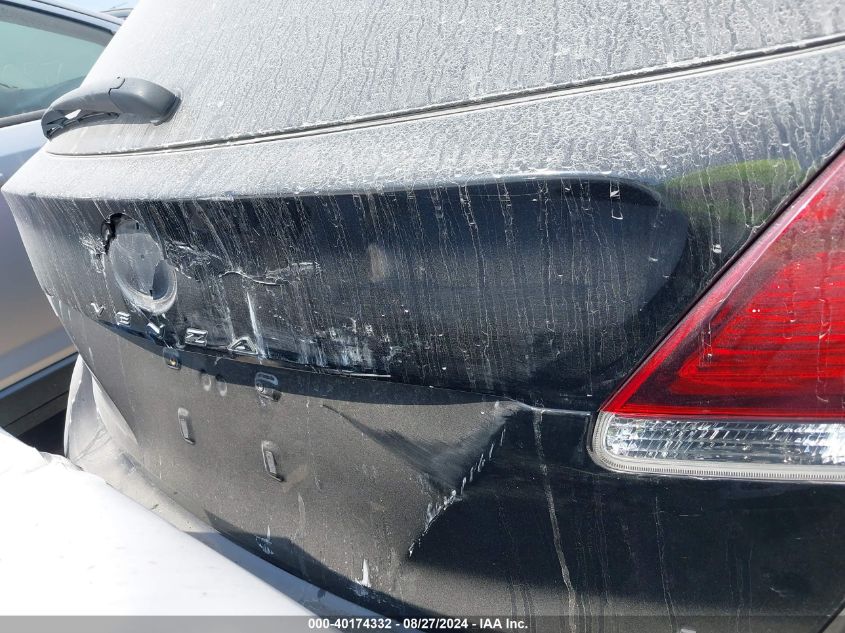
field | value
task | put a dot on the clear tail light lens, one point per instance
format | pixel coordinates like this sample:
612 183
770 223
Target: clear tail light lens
751 383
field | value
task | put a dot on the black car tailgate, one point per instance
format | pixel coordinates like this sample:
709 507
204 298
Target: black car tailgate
372 353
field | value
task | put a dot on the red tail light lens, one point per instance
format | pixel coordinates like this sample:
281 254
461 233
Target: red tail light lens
756 371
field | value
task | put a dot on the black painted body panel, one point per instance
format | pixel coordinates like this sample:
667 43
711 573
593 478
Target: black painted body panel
543 291
416 318
538 531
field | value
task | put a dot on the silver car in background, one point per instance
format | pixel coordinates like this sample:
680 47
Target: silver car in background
46 49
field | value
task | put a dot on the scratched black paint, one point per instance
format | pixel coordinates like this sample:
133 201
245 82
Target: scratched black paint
418 287
456 500
506 288
369 460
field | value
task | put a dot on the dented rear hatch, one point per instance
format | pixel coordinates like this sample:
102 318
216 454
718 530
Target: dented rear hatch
357 302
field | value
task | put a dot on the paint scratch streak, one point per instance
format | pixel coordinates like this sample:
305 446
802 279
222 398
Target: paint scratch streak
561 559
667 595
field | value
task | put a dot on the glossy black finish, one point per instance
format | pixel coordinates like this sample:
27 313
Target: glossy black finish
313 339
367 469
310 422
321 445
545 291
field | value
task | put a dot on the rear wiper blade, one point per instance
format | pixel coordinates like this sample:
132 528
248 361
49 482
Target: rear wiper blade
105 99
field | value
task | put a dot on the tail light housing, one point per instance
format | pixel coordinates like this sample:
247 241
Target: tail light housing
751 383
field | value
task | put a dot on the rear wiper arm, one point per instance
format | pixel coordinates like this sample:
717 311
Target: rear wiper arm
104 99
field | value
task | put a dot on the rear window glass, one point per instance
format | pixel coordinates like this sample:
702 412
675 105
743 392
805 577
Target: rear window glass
42 56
